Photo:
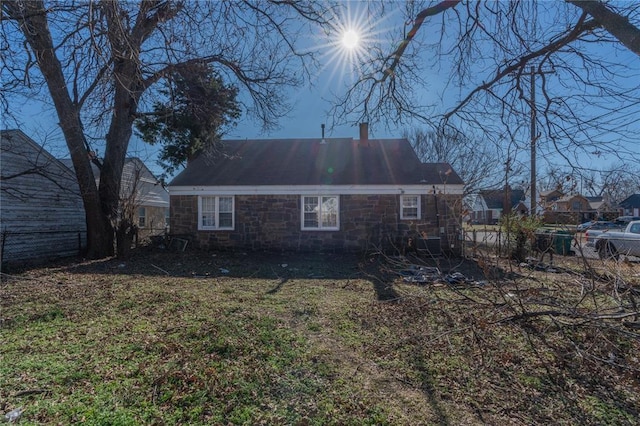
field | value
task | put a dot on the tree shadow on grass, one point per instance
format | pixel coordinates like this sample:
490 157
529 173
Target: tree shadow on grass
281 266
428 387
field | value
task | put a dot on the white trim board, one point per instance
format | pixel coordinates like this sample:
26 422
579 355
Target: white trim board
319 190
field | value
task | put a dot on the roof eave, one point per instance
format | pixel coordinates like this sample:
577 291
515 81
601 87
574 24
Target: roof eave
318 189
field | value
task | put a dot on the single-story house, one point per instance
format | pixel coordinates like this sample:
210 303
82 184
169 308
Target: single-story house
630 206
143 193
331 194
487 206
41 211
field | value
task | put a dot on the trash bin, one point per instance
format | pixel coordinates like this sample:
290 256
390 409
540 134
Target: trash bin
562 242
544 241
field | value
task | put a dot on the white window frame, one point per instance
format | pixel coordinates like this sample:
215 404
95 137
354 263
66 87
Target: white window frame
142 217
319 213
403 215
216 213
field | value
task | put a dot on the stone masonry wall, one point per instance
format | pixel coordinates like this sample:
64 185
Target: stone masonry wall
272 222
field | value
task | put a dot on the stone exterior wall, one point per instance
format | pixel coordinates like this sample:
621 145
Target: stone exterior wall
272 222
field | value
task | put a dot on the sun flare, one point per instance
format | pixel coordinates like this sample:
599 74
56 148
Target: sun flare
348 43
350 39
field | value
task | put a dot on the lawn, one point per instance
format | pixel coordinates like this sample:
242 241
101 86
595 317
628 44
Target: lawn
204 338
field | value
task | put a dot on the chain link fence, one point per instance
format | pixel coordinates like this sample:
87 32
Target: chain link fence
22 246
500 243
19 247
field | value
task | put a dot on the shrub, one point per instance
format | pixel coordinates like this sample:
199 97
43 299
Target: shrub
519 230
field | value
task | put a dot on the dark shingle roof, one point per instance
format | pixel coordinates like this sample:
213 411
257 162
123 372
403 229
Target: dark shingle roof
569 197
494 198
631 201
343 161
435 173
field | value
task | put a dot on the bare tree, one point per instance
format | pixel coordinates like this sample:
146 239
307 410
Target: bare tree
580 57
615 182
561 76
471 159
564 179
101 62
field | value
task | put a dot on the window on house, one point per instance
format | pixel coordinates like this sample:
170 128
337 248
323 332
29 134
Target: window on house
215 212
409 207
576 206
320 212
142 217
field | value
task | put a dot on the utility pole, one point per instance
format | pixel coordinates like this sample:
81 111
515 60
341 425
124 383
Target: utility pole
533 209
506 201
534 137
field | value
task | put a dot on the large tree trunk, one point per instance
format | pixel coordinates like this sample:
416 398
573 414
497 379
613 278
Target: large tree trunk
117 140
33 20
617 25
125 51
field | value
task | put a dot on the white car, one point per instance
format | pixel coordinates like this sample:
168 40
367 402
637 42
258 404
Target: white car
612 244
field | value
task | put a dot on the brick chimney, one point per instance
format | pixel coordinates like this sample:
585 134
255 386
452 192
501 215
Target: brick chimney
364 134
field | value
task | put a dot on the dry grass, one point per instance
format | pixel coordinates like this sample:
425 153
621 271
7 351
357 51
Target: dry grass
199 338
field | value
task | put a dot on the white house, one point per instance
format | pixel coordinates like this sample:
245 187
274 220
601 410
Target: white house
140 190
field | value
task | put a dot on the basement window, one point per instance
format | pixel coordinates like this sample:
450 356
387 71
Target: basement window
321 213
409 207
215 213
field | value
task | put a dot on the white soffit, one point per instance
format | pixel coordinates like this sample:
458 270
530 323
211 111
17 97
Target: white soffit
426 189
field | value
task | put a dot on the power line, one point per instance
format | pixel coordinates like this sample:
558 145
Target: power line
575 126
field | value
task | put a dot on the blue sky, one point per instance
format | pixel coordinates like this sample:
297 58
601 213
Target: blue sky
310 105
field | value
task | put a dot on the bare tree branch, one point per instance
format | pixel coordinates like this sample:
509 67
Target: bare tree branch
519 65
396 56
103 61
586 81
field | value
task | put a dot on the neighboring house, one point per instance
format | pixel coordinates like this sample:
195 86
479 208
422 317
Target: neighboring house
41 211
487 206
600 206
597 204
571 203
575 209
630 206
315 195
150 198
142 192
547 198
